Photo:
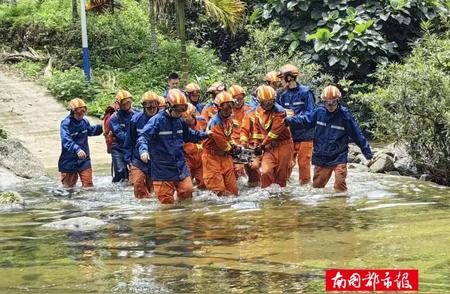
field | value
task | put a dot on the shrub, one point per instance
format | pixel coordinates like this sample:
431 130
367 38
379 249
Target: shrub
69 84
263 53
29 68
348 36
411 104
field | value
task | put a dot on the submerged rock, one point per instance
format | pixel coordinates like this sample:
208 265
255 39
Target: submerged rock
82 223
11 198
15 157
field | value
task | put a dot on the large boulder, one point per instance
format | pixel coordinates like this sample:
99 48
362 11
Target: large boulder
382 163
15 157
82 223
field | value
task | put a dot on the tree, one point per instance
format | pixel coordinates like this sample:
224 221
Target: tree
227 12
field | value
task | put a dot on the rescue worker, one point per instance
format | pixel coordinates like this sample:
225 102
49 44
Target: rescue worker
239 110
272 79
161 142
218 170
173 82
161 103
193 93
75 157
250 138
298 99
140 171
334 125
119 124
193 151
209 110
277 146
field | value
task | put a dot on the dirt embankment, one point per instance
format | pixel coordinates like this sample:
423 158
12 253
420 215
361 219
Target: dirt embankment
30 114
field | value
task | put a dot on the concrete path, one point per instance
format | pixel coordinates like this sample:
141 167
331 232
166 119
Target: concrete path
31 114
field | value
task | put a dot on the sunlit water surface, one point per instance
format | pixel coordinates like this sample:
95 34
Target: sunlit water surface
273 240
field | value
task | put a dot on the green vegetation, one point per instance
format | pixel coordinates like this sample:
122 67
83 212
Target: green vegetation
351 37
411 104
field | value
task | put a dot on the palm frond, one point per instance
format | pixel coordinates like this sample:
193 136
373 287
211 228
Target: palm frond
102 6
227 12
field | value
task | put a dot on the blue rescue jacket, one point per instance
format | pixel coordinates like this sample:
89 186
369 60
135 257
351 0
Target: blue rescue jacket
199 106
137 123
301 100
163 138
332 133
119 123
74 137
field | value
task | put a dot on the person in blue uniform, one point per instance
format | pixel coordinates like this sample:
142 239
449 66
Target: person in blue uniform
75 157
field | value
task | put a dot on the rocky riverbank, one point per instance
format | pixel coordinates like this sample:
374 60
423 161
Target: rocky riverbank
390 159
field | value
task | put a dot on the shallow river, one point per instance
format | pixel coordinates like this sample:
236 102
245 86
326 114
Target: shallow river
262 241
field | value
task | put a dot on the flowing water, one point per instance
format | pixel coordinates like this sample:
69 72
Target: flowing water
270 240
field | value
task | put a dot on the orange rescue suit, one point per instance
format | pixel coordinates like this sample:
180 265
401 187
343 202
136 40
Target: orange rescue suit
193 154
276 161
218 170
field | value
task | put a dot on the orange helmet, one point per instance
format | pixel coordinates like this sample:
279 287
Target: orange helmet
176 97
216 87
235 90
76 103
162 101
330 93
223 97
122 95
192 87
272 76
265 93
150 96
191 110
289 69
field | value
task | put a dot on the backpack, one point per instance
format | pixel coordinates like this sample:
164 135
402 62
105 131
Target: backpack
109 137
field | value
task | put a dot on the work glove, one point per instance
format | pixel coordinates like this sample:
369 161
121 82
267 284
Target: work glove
236 150
81 154
145 157
259 150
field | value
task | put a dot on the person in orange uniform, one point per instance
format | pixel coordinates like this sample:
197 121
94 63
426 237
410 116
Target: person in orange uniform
209 110
218 169
277 146
239 110
251 138
193 151
161 143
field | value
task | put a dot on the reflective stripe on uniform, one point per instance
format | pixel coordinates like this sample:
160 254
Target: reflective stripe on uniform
272 135
337 127
320 123
165 133
298 103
